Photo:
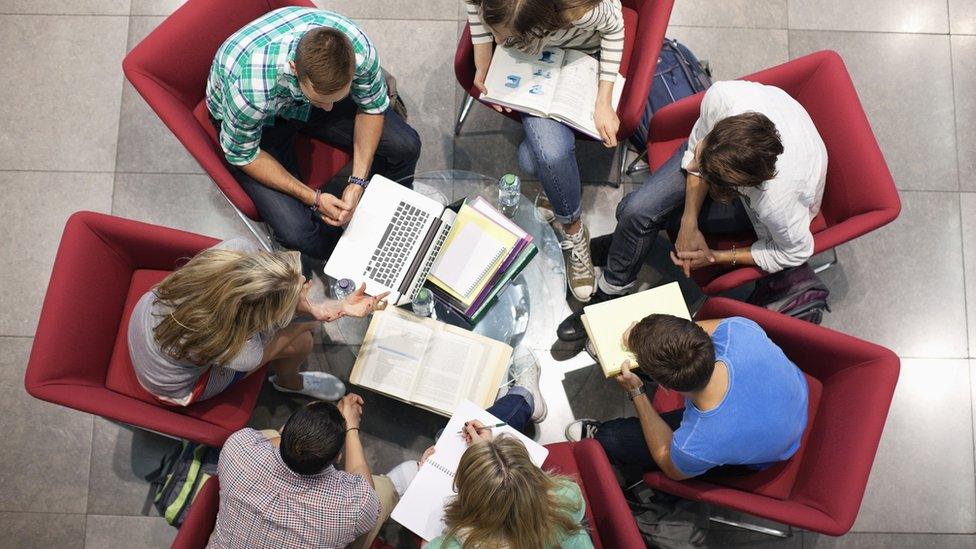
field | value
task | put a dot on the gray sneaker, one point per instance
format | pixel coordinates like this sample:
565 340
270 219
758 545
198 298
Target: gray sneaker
579 265
525 373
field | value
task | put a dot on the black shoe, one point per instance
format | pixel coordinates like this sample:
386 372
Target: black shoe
571 329
600 249
581 429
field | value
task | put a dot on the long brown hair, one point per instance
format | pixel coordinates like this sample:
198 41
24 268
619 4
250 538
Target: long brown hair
504 500
531 20
222 298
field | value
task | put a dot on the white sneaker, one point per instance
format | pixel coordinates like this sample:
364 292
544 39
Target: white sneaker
581 428
402 475
318 385
525 373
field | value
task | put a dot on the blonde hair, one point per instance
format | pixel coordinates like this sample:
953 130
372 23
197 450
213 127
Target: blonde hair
222 298
504 500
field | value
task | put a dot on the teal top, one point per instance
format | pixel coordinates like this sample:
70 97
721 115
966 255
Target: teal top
579 540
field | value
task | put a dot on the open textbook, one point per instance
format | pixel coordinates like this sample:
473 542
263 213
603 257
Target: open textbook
555 83
606 322
428 363
421 509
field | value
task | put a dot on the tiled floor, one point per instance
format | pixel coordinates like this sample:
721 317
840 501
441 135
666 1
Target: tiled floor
76 136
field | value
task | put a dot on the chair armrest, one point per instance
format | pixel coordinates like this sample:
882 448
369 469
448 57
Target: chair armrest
675 121
652 22
201 518
607 503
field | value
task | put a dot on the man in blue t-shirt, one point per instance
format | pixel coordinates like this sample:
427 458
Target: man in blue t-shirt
745 401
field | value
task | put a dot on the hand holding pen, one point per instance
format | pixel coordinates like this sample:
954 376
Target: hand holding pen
475 431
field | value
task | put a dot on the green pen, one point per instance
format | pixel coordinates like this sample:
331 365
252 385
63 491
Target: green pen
482 428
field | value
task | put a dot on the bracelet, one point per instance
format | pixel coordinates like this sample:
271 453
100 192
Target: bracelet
358 181
351 429
315 203
733 255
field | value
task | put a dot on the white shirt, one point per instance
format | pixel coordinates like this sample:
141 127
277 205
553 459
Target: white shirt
782 208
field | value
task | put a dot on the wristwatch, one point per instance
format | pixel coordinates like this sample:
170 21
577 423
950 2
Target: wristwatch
635 392
358 181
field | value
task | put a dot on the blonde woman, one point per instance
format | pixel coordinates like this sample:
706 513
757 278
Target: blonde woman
226 312
504 501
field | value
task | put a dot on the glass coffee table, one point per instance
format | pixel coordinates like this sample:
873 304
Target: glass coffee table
526 313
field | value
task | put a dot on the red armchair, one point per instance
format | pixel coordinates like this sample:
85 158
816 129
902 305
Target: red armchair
80 357
169 68
644 24
610 520
820 488
859 195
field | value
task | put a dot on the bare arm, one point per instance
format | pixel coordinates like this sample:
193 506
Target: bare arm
351 408
606 119
658 437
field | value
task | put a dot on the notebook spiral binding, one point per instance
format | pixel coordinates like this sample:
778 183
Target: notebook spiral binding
484 273
440 467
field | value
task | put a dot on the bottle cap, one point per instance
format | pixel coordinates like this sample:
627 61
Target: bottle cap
423 294
345 283
509 178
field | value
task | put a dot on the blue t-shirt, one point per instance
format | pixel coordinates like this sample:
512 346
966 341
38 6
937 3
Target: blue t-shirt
762 417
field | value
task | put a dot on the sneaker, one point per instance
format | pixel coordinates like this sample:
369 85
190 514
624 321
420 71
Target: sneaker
318 385
402 475
526 375
543 209
582 428
579 266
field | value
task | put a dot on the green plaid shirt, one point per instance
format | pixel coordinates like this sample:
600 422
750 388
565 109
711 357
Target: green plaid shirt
251 81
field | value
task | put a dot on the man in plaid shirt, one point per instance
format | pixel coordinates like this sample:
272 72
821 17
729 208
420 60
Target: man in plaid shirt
305 70
284 490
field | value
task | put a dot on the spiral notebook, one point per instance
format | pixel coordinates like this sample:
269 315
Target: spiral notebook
474 250
421 509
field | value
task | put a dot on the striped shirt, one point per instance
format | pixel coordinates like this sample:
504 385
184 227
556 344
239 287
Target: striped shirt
251 81
599 30
265 504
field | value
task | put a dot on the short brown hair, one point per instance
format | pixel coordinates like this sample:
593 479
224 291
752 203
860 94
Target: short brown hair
676 353
531 20
325 57
740 151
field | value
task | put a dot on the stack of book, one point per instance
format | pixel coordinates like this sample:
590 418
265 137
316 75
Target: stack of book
482 253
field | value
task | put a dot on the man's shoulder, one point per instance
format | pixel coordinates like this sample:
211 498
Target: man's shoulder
246 442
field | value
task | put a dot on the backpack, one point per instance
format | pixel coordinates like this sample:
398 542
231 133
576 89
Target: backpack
180 476
667 521
796 292
678 74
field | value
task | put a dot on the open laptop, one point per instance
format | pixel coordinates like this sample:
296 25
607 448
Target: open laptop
391 241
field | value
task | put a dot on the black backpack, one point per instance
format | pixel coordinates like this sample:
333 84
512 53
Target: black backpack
180 476
797 292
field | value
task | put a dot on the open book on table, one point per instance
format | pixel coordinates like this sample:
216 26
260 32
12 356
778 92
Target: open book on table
428 363
555 83
421 509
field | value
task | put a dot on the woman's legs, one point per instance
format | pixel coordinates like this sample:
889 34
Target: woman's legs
289 361
292 347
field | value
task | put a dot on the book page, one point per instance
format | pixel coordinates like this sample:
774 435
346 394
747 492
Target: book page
523 81
575 97
393 360
450 365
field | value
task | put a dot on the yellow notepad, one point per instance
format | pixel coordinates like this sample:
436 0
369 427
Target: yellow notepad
471 254
606 322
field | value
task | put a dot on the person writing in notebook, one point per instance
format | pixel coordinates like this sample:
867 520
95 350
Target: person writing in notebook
285 489
301 70
754 162
548 150
745 401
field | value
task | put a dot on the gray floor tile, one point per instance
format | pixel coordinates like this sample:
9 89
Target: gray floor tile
66 7
155 7
969 259
913 121
122 456
108 532
488 143
964 84
42 530
33 225
593 396
188 202
422 61
901 541
962 17
910 306
47 447
929 431
145 143
393 9
744 538
734 13
599 207
734 52
66 118
871 15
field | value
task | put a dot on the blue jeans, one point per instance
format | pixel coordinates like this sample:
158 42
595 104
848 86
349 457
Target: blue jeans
515 408
549 153
294 225
658 204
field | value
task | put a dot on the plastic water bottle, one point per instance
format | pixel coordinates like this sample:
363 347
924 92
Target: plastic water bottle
342 287
423 303
509 191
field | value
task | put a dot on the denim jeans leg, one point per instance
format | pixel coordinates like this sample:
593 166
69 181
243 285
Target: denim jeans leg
553 153
514 410
640 215
623 440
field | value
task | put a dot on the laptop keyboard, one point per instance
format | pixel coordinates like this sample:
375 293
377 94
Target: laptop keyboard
390 256
430 259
